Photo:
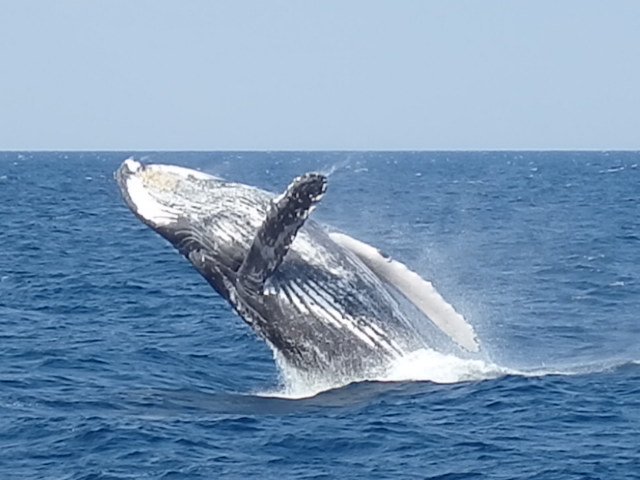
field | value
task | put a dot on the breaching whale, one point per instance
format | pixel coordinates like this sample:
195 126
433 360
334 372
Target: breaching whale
325 302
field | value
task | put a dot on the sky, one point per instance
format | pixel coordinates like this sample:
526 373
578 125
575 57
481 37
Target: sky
319 75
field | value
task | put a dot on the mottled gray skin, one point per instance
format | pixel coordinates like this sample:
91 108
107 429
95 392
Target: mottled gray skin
322 309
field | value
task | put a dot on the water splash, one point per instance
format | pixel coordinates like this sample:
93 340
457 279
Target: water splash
428 365
433 366
329 171
348 163
425 365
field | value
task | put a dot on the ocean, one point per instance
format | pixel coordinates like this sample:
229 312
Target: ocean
118 361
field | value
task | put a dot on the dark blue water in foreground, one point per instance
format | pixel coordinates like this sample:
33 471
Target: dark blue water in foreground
117 361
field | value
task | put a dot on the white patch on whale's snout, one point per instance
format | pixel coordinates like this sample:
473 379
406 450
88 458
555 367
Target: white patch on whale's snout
142 181
183 172
142 201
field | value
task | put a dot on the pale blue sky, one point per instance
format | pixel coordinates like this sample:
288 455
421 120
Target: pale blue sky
319 75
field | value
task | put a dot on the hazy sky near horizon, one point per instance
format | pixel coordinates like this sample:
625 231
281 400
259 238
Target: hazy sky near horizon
319 75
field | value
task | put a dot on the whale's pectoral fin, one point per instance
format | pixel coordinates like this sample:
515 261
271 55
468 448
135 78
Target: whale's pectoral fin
286 215
413 287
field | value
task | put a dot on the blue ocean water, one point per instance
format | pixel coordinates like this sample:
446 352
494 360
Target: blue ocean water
118 361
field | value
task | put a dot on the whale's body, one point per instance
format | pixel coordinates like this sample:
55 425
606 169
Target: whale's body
321 300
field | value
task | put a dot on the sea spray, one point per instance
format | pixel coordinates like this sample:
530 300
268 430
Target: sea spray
424 365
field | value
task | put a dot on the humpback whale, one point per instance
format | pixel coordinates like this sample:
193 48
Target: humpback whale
326 303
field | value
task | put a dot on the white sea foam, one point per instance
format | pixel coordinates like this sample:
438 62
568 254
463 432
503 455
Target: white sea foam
430 365
421 365
427 365
596 366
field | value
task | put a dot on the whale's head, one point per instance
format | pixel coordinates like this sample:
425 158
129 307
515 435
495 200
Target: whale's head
164 195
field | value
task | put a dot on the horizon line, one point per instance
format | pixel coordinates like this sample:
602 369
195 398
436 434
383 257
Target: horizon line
461 150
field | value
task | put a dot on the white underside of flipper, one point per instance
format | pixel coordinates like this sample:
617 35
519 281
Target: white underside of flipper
417 290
